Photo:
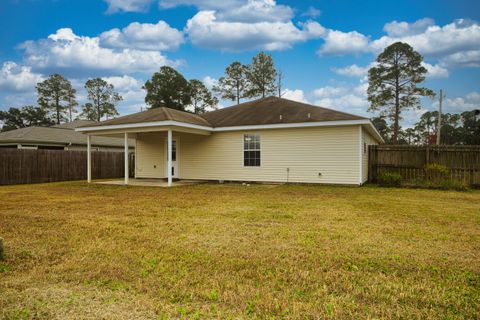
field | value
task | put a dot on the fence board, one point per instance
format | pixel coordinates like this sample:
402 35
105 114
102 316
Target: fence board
409 161
20 166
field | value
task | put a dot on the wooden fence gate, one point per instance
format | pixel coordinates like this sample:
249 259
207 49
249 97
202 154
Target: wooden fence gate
463 162
18 166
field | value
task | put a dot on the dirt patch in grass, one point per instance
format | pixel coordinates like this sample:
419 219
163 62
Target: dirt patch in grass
216 251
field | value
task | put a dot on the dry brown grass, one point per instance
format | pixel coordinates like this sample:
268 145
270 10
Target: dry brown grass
217 251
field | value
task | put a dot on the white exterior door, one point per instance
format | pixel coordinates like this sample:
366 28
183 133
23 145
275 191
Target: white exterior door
174 158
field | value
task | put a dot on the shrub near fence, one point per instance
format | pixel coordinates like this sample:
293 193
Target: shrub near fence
19 166
463 162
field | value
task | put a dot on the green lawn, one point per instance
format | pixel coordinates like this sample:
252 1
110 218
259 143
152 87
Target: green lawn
229 251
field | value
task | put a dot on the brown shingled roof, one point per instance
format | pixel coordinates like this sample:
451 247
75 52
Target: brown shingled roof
55 135
156 114
270 110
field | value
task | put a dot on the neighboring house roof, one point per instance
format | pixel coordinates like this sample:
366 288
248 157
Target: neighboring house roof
57 135
74 124
156 114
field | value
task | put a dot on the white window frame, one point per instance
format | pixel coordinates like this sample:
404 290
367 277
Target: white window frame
259 150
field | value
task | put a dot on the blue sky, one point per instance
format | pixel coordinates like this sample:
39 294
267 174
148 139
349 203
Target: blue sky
322 47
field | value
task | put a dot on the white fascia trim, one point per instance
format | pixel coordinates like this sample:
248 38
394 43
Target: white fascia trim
376 133
233 128
294 125
144 125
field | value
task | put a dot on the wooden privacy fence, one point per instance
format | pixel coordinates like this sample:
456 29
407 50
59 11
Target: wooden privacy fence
463 162
19 166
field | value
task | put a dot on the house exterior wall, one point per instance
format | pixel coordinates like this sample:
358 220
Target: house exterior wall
150 155
332 152
367 140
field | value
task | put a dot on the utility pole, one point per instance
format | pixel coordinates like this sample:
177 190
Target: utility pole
280 76
439 125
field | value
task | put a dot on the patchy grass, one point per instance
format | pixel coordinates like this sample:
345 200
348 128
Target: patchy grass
229 251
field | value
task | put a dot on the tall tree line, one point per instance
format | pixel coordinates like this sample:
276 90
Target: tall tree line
170 88
457 128
57 103
395 86
256 80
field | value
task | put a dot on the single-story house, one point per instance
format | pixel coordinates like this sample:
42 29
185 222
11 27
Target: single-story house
265 140
58 137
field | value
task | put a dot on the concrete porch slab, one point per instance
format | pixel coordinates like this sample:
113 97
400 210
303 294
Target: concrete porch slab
150 182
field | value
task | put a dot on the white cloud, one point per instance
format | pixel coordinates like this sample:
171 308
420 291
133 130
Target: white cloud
401 29
143 36
312 12
201 4
124 83
16 78
238 10
340 43
296 95
329 91
130 89
68 52
209 82
227 10
435 71
452 45
346 98
460 104
353 71
458 36
127 5
257 11
470 58
204 30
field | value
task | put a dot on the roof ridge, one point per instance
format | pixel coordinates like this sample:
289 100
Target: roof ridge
237 105
167 113
324 108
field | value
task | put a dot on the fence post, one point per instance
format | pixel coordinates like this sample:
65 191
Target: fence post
372 161
427 154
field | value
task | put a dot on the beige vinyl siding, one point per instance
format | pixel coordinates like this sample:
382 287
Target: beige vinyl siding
369 140
331 151
150 155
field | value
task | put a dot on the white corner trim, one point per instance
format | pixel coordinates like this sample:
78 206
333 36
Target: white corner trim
376 133
360 155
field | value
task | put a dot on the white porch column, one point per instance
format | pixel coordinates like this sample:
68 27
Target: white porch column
89 159
126 157
169 162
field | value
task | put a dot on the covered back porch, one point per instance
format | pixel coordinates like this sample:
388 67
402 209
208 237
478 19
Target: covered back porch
158 164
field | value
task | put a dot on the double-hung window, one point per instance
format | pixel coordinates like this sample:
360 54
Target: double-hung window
251 150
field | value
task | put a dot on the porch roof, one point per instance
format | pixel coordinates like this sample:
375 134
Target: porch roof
154 115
